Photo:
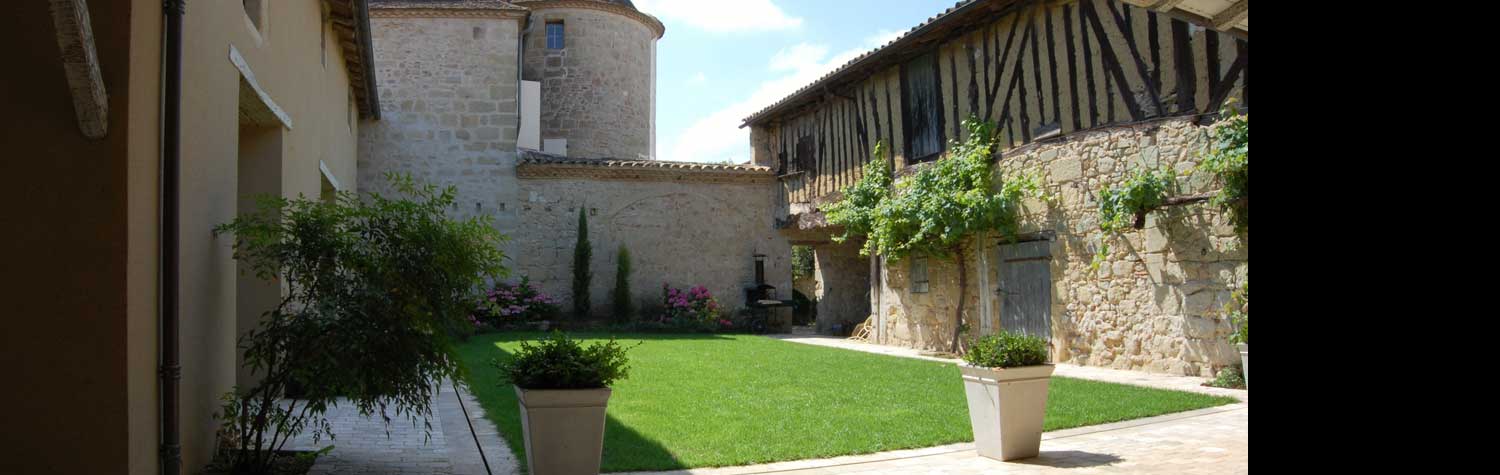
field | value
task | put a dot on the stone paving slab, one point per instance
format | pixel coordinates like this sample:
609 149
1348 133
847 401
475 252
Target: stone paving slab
1213 440
1094 373
461 441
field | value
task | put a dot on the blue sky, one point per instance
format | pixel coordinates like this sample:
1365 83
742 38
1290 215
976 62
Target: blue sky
722 60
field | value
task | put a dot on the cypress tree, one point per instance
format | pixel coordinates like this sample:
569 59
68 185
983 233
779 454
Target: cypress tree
582 252
623 311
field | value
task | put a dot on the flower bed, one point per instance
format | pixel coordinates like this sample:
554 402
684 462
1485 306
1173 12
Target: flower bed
513 305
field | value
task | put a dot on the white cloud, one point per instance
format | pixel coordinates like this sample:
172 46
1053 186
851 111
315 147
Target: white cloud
722 16
698 79
801 56
880 38
717 137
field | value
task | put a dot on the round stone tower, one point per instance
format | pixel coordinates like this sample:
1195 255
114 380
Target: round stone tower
596 61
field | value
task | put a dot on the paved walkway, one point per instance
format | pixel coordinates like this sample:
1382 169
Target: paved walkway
1095 373
461 442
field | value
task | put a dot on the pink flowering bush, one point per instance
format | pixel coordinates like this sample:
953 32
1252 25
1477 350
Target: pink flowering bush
509 304
692 306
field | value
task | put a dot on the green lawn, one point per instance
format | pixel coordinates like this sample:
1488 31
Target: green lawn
718 400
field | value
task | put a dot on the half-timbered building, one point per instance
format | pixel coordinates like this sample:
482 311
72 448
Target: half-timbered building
1082 92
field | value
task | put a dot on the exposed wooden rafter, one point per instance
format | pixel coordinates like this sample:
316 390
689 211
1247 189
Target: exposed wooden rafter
1227 18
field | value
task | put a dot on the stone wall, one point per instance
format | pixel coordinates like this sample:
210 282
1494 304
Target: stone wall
598 92
843 290
449 105
679 233
1151 304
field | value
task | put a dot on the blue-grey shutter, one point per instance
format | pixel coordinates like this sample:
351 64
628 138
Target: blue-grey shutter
1026 288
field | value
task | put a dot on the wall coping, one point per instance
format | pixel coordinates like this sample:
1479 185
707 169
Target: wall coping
537 165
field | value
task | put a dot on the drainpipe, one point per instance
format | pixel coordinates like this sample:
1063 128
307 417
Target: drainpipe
171 368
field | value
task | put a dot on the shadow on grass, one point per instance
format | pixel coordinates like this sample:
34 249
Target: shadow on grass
625 449
1070 459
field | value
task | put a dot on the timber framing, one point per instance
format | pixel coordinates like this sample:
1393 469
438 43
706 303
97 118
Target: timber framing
1037 69
80 61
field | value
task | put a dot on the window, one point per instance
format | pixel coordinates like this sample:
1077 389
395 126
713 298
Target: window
555 35
921 108
919 275
807 154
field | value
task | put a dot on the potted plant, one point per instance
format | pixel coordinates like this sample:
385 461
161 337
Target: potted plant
1239 313
563 390
1005 378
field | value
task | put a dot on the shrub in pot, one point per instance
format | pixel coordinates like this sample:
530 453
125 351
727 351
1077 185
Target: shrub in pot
563 390
1005 379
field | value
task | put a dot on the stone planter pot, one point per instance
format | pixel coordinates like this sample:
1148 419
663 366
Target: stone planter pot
1245 361
1006 408
563 428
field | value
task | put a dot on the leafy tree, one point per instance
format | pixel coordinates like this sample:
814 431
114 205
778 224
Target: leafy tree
374 291
582 276
624 309
936 210
802 261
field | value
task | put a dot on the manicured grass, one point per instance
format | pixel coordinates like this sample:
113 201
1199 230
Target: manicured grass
718 400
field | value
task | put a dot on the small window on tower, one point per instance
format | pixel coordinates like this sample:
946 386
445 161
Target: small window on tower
555 35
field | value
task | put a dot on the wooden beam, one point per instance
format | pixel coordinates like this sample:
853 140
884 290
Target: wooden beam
1237 12
75 42
1165 5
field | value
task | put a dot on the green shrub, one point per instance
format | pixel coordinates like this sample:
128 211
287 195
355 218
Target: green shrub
558 362
1230 377
802 261
1007 350
582 276
374 291
624 309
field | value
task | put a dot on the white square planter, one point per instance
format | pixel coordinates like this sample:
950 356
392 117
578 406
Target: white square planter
1006 408
564 429
1245 361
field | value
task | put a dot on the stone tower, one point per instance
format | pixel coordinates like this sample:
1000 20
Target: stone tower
596 62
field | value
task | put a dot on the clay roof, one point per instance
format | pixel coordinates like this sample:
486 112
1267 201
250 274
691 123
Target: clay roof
814 90
534 164
623 3
1230 16
445 4
542 158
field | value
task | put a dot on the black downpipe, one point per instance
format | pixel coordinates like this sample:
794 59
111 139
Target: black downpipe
171 161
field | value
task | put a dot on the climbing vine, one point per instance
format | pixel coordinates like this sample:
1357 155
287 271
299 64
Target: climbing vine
1229 161
934 211
1126 204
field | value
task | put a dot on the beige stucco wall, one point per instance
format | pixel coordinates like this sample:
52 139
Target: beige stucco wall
1152 304
87 256
679 233
598 92
449 108
296 59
